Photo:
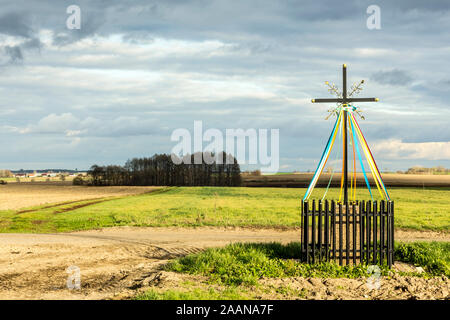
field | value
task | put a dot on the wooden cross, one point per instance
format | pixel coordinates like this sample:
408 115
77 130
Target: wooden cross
345 100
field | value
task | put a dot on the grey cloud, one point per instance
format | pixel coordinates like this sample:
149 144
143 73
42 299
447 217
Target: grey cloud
15 24
14 53
393 77
33 43
436 5
136 37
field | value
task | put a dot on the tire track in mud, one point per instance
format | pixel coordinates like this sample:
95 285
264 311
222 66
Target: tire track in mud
54 205
88 202
157 191
151 251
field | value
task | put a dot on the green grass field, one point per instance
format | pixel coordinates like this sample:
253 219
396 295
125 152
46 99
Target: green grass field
420 209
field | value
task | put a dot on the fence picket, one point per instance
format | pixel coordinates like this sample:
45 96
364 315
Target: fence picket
374 248
392 231
354 231
319 230
327 233
306 231
333 227
361 230
347 233
313 232
382 211
341 244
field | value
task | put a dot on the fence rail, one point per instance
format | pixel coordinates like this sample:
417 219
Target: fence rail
354 232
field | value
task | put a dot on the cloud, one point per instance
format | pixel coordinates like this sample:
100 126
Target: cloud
54 123
15 24
89 28
66 124
33 43
14 53
393 77
397 149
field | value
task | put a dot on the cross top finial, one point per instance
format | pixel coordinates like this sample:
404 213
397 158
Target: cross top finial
344 97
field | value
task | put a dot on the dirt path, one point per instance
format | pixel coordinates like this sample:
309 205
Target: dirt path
115 261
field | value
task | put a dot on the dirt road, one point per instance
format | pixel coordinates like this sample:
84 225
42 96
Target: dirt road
115 261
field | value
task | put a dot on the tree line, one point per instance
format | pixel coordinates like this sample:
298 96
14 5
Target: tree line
422 170
160 170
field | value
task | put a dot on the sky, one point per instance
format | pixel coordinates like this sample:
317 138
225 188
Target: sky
137 70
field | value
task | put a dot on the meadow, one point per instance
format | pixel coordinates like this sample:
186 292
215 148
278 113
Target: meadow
272 270
416 208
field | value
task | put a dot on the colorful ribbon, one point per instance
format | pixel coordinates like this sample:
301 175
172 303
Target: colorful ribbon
356 133
360 160
371 161
324 158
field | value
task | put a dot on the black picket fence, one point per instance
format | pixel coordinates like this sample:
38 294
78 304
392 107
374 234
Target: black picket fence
355 232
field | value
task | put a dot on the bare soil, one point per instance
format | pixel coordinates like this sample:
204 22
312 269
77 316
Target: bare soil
118 262
21 195
395 287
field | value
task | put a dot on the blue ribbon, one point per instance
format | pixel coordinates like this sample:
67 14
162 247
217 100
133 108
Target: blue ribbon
360 159
323 154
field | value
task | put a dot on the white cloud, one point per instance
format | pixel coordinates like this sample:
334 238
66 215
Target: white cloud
374 52
56 123
397 149
68 125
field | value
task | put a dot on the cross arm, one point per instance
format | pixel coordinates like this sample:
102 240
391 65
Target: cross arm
340 100
347 100
362 99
